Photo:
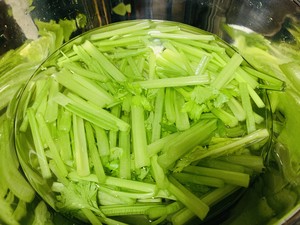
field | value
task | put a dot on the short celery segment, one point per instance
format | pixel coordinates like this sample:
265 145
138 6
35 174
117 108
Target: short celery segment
144 118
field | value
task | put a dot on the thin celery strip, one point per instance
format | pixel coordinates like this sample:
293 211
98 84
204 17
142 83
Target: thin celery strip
199 179
246 102
255 97
124 41
242 76
137 26
158 115
187 37
51 112
64 120
169 105
107 65
139 138
131 185
173 82
122 210
230 177
91 216
113 134
186 197
158 173
156 146
252 161
197 134
202 65
42 159
128 196
44 129
226 117
94 154
80 147
102 141
266 77
84 88
237 109
181 118
124 143
220 164
227 73
63 142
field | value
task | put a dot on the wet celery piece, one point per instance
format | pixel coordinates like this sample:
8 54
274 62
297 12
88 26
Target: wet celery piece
135 116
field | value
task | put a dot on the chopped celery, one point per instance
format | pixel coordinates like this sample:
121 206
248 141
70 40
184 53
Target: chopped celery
134 119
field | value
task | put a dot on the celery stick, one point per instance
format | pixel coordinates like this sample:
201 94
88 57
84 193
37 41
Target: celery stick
181 118
202 65
169 105
252 161
227 72
44 167
64 120
245 97
196 135
188 198
237 109
158 115
158 145
64 145
173 82
136 26
230 177
80 147
102 141
198 37
139 139
109 67
52 107
96 160
91 216
226 117
255 97
198 179
124 143
112 134
242 76
51 144
158 173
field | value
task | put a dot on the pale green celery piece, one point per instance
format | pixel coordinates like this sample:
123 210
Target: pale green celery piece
183 36
41 214
199 179
133 65
210 47
242 76
156 146
39 148
158 173
102 141
270 80
237 109
139 186
167 28
158 114
124 196
218 60
220 164
251 161
227 72
182 119
152 65
171 58
94 154
80 147
123 41
202 65
226 117
125 158
249 139
258 118
64 120
169 105
85 72
196 135
113 135
63 142
91 216
51 112
122 210
44 130
229 177
130 53
173 82
139 138
255 97
187 63
84 88
185 215
169 65
192 202
107 65
247 105
91 113
120 29
106 197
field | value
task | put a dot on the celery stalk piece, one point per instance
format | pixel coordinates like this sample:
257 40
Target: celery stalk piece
199 37
246 102
91 216
139 139
202 65
169 105
237 109
42 159
227 73
158 145
226 117
158 115
229 177
173 82
158 173
196 135
191 201
51 112
102 141
44 130
94 154
80 147
109 67
125 144
181 117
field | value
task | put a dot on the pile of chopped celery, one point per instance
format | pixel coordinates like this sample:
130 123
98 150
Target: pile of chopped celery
147 118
